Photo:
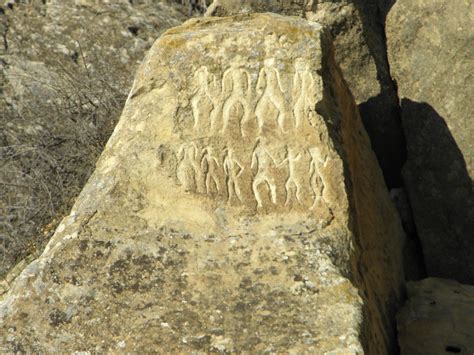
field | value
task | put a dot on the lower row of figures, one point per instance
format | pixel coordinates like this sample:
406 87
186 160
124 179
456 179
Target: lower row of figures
294 176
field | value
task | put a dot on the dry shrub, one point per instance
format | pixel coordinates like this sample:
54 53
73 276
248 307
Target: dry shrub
49 144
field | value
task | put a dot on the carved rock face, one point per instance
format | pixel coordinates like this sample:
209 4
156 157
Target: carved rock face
247 133
227 212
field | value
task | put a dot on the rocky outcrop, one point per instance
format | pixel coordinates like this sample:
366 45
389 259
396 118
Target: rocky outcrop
431 51
65 71
186 239
222 8
437 319
358 31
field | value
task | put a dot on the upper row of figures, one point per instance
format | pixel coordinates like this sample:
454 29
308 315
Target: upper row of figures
234 100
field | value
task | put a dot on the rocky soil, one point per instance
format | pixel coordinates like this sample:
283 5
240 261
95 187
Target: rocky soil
66 69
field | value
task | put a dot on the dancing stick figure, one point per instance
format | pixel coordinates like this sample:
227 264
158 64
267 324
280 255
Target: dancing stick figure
271 93
188 166
291 158
263 161
209 167
232 170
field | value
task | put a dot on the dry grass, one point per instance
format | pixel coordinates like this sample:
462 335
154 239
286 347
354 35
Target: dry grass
48 148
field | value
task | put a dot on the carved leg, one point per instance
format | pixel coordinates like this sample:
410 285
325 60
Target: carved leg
272 186
256 193
288 191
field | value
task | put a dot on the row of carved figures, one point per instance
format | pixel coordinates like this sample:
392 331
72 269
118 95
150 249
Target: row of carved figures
216 102
196 164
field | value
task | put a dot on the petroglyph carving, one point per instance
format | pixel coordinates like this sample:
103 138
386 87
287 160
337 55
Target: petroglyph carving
278 165
236 99
202 170
189 169
292 182
271 97
210 169
237 88
264 162
316 177
202 102
232 169
304 92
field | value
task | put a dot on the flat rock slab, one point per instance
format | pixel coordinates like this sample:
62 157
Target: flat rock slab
438 318
237 207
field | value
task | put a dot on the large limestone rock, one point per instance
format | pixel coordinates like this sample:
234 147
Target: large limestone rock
431 56
438 318
237 207
357 27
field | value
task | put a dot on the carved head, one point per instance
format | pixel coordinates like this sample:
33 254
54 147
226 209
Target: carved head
228 153
316 154
202 73
270 62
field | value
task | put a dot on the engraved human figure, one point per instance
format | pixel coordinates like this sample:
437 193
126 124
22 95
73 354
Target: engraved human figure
202 101
271 95
210 169
232 169
263 161
237 88
316 178
188 166
304 92
292 158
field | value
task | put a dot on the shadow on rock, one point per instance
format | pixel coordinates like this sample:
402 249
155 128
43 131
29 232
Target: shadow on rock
440 191
380 114
381 118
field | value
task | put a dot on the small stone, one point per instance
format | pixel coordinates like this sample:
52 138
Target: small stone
121 344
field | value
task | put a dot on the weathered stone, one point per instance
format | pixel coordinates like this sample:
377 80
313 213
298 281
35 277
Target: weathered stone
359 40
237 207
438 318
431 57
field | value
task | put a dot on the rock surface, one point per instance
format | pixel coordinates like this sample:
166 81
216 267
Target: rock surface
65 71
237 207
438 318
359 39
431 56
